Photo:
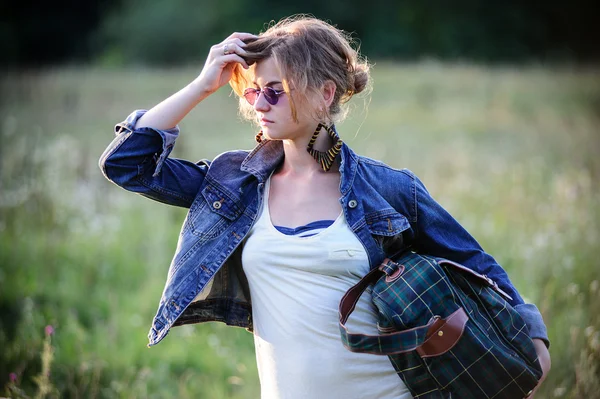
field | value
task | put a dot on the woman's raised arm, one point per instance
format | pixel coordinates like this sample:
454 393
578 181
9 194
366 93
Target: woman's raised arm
217 71
137 159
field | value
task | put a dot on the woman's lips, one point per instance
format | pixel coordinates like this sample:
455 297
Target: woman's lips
264 121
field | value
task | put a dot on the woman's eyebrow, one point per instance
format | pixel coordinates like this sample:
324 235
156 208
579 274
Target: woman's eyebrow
271 83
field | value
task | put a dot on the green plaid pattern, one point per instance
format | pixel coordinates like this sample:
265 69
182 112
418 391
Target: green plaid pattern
494 357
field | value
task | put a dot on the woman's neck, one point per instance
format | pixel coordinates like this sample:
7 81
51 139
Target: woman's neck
298 161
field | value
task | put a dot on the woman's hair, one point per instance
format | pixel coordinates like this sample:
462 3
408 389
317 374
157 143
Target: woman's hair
308 52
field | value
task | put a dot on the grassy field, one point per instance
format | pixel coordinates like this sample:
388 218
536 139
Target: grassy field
512 153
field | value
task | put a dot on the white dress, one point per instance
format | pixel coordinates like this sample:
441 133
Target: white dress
296 284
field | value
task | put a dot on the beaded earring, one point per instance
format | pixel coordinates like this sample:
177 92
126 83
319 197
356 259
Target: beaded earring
325 158
259 137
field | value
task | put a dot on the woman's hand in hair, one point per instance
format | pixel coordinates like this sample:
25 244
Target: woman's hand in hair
221 61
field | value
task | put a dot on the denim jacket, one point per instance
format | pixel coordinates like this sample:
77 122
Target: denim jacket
387 209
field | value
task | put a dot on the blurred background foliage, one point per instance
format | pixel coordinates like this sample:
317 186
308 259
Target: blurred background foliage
496 106
169 32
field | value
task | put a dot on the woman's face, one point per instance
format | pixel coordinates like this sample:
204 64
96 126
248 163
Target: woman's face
276 121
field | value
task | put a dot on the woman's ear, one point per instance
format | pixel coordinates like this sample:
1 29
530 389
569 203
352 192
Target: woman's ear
328 92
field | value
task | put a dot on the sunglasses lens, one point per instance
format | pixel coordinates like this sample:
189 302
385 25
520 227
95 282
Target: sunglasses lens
270 95
250 95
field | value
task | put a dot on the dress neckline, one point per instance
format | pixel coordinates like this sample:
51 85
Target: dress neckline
267 214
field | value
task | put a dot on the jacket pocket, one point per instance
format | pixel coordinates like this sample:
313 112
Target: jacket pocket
387 227
211 213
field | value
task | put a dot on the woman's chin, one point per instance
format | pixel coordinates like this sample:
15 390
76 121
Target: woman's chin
272 134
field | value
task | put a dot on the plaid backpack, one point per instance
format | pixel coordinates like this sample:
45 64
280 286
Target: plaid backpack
448 331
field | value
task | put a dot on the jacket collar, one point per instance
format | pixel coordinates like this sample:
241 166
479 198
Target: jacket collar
265 157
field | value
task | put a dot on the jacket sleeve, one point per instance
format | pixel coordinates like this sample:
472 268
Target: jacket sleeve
138 160
437 233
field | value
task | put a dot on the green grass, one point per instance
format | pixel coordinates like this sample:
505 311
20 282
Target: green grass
512 153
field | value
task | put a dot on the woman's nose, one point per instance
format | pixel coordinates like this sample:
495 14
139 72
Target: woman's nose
261 103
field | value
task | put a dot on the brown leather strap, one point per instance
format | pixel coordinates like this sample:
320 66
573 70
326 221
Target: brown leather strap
383 344
436 337
350 298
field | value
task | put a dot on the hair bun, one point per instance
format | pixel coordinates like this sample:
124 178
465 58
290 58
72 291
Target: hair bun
360 77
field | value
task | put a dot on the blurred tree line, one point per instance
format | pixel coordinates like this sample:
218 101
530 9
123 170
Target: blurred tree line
165 32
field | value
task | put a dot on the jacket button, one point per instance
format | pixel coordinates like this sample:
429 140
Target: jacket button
217 205
352 204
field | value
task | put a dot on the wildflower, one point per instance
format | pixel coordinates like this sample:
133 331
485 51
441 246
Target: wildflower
49 330
13 377
235 380
589 330
573 289
595 342
559 392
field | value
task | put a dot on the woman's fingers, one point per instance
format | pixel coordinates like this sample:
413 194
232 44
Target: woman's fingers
229 58
231 52
240 43
235 43
233 47
221 61
228 47
241 36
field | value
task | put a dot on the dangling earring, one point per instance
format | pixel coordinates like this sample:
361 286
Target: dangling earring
325 158
259 137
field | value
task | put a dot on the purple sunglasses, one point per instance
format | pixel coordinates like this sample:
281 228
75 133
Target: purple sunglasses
271 95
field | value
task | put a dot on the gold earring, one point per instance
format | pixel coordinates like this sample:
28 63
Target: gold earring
325 158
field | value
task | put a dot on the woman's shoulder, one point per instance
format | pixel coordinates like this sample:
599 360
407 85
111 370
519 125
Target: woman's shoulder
225 164
395 186
385 170
235 156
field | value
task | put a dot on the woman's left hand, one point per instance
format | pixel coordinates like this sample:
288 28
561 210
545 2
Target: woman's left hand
544 358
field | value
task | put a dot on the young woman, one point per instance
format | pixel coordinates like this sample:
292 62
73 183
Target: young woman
294 223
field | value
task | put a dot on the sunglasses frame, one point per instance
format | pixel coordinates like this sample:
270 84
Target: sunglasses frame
272 99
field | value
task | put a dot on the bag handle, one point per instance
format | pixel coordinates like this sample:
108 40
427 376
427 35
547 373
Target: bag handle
432 339
387 344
